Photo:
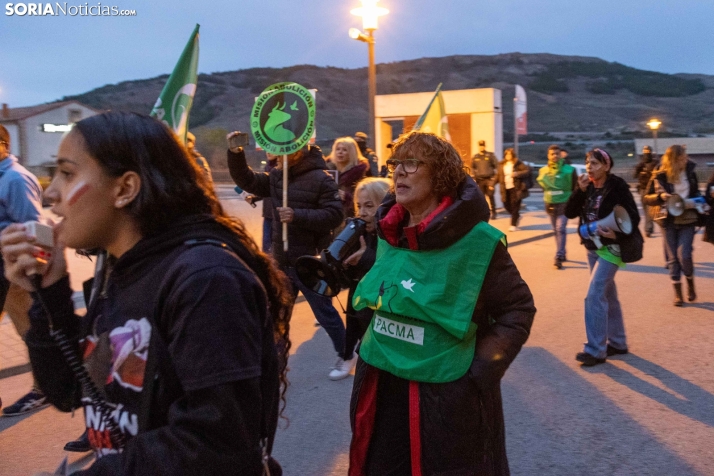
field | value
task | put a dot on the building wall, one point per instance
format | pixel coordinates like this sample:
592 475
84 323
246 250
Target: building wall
41 147
483 106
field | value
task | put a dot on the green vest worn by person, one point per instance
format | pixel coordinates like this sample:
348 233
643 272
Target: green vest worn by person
557 182
423 302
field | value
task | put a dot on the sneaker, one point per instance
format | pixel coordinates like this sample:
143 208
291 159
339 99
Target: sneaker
342 368
588 360
30 402
558 263
80 445
615 351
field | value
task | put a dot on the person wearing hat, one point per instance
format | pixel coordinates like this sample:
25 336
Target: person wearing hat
484 170
361 138
200 160
643 174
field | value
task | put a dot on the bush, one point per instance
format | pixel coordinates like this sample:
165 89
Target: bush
611 77
548 83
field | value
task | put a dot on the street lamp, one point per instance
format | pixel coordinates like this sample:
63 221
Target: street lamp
654 125
370 12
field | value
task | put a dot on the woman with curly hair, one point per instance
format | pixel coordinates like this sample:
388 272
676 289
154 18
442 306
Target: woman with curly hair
351 166
451 312
185 338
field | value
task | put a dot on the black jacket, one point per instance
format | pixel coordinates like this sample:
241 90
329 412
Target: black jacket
660 184
643 172
484 167
192 315
615 192
358 271
520 172
312 194
461 422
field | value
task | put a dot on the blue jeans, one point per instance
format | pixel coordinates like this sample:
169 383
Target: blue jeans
324 311
267 235
559 222
679 240
603 314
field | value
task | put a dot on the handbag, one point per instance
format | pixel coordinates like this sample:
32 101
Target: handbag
658 213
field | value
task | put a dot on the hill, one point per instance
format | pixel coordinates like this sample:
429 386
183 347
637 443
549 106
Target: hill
565 93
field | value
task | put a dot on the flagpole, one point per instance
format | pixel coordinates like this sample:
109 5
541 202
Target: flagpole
285 200
515 125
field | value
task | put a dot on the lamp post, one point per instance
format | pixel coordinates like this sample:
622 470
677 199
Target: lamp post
370 12
654 125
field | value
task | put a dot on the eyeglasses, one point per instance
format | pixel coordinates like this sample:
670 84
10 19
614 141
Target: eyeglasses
409 166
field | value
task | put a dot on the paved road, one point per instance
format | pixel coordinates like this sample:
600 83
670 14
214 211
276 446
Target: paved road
647 413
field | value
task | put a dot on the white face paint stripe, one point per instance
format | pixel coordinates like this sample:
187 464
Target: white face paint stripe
77 192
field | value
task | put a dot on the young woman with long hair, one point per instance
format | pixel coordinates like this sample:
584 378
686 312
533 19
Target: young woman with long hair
186 332
676 175
352 167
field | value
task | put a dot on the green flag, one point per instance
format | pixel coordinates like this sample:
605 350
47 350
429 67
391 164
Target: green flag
174 103
434 118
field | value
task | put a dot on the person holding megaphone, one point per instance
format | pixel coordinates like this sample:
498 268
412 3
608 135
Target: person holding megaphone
670 191
609 231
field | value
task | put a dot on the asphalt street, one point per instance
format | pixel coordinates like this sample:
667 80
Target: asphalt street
650 412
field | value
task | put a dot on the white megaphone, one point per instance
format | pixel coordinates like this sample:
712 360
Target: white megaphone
676 205
618 220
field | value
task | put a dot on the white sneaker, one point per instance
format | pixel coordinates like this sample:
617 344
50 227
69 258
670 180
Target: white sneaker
342 368
513 228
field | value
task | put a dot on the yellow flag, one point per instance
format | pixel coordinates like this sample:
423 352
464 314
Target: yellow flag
434 118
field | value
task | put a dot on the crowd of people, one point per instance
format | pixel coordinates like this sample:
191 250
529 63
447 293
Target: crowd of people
186 337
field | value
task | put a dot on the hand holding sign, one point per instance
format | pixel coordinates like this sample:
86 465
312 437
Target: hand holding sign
282 122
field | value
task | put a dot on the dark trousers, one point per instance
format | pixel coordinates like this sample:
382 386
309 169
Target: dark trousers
512 204
487 189
267 235
649 224
357 324
324 311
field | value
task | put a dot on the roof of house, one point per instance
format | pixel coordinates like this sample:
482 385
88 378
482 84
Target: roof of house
20 113
695 145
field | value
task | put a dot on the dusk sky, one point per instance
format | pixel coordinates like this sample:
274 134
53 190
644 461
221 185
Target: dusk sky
43 58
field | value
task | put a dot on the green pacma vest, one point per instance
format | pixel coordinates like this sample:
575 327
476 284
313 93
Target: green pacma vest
423 302
558 186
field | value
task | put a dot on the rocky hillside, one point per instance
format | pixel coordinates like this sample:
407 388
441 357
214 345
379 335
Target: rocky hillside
565 93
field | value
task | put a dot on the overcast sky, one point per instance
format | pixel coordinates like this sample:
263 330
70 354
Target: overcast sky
43 58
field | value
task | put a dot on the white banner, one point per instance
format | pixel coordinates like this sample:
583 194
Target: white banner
520 107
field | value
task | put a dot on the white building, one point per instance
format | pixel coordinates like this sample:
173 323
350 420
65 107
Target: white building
35 131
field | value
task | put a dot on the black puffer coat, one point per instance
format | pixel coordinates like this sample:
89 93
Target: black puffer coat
460 424
312 194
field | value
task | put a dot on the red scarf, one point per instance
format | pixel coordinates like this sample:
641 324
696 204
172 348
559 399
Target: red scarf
390 223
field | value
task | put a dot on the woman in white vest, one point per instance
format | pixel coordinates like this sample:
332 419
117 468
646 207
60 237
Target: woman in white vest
451 312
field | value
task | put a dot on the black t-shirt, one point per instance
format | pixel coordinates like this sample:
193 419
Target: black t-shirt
212 336
593 205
